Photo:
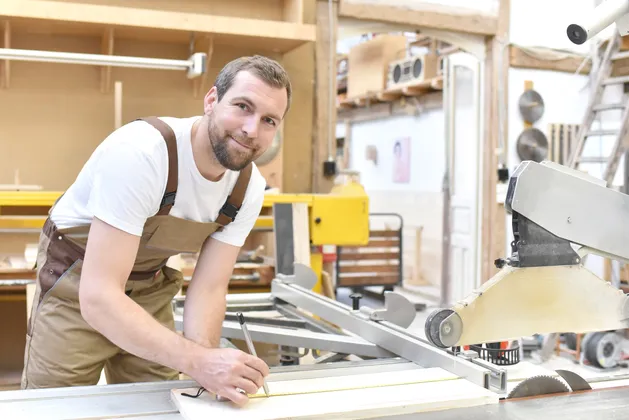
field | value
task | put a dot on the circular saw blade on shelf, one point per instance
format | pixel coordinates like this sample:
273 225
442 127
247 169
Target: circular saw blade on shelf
532 145
538 385
531 105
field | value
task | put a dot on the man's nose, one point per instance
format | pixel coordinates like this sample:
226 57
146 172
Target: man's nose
251 127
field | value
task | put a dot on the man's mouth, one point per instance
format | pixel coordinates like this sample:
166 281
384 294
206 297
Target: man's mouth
240 143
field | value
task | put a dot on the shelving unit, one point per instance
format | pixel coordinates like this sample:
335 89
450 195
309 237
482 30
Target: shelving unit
70 109
76 18
390 95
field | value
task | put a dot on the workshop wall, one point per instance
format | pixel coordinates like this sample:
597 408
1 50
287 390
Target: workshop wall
565 95
543 23
418 200
54 115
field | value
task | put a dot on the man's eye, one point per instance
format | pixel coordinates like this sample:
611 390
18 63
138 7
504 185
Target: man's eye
270 121
242 106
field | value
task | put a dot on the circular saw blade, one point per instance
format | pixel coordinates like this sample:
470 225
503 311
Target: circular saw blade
531 105
532 145
538 385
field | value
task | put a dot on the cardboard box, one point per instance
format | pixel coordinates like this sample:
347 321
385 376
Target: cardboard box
368 63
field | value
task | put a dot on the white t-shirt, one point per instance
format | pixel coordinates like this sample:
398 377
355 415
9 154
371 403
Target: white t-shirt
124 181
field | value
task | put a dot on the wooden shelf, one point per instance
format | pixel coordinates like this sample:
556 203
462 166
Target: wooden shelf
390 95
28 210
46 17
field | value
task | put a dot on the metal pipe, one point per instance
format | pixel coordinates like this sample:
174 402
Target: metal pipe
191 64
595 21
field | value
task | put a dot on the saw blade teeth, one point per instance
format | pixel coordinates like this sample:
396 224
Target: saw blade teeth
538 385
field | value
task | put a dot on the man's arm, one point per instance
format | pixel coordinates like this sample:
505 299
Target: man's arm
204 309
109 258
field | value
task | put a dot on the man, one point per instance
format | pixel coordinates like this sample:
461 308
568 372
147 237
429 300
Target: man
155 188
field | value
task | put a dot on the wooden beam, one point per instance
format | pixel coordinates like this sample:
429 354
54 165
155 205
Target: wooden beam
421 15
402 106
5 65
107 48
293 11
282 36
548 59
325 137
496 90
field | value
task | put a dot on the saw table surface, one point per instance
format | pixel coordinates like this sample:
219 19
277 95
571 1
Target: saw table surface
601 404
152 400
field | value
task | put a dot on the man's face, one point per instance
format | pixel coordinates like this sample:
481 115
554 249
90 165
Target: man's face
241 127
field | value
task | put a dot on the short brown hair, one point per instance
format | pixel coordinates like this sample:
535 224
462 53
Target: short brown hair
265 68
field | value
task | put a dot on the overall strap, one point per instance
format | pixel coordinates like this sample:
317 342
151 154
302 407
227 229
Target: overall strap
173 172
233 203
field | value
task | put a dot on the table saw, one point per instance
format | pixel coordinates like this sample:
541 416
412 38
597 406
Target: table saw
367 363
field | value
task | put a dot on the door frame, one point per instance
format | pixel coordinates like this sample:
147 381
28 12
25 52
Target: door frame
477 66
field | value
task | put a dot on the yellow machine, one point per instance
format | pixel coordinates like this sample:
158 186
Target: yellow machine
338 218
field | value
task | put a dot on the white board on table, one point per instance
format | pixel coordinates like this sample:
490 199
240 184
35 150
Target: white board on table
358 396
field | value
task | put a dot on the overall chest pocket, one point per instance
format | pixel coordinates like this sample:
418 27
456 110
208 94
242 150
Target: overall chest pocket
179 235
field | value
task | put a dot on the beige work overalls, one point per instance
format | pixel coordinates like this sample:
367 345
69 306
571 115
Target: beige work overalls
61 348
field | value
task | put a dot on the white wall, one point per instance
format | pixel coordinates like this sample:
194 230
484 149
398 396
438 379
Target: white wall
419 201
543 23
566 98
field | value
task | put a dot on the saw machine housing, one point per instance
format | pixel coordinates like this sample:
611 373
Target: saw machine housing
559 215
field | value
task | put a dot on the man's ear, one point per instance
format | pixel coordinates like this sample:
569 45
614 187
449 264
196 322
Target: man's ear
210 100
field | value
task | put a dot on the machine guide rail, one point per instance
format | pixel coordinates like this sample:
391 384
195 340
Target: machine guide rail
376 327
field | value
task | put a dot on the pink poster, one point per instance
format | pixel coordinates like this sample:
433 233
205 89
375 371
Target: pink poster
402 160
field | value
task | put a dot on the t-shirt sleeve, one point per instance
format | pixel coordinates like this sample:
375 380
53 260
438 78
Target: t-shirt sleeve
236 232
129 178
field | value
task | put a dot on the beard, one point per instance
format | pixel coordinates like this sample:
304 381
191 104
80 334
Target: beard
232 158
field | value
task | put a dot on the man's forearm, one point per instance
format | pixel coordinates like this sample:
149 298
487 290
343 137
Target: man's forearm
130 327
204 312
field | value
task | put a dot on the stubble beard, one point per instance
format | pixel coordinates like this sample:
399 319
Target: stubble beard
233 160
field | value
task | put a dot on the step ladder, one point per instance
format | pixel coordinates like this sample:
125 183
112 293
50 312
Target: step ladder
595 106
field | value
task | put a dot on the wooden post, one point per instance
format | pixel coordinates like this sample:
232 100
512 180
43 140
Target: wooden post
496 82
325 137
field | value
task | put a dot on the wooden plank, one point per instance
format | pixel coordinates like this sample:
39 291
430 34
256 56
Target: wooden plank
358 396
548 59
325 137
384 233
301 233
282 36
203 44
422 15
300 126
402 106
117 104
370 268
368 280
293 11
497 90
107 48
362 256
390 243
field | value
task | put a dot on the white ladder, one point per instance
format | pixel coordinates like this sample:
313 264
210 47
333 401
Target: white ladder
595 106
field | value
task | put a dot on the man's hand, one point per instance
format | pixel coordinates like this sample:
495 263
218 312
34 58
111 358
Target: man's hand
222 371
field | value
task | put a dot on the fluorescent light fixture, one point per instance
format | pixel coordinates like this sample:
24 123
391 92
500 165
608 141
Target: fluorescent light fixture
196 65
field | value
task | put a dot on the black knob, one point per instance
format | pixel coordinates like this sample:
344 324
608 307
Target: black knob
355 300
317 220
